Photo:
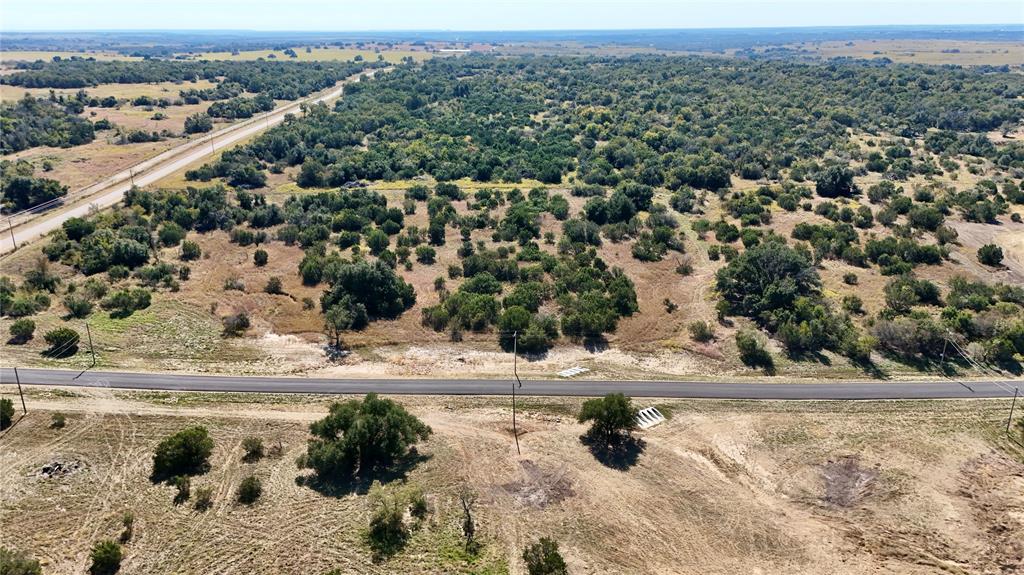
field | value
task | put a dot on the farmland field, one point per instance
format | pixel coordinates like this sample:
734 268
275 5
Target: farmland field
884 487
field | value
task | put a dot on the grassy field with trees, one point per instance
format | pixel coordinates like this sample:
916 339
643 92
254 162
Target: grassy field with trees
833 212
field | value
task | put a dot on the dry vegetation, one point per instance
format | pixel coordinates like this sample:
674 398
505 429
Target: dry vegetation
958 52
883 487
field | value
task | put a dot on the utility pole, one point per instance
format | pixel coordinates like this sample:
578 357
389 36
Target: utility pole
10 228
24 410
515 371
1009 420
91 350
131 175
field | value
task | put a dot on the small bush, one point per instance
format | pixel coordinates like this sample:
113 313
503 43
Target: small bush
260 258
249 490
105 557
6 413
63 342
58 420
184 487
128 525
543 558
18 563
203 499
236 324
184 453
22 330
990 255
253 447
850 279
388 532
752 350
190 251
701 331
274 286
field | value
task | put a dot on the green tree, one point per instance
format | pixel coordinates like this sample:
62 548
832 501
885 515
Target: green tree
360 436
198 123
835 181
611 416
766 279
990 255
105 557
543 558
260 257
186 452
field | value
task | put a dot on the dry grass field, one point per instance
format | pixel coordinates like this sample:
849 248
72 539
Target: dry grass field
963 53
722 487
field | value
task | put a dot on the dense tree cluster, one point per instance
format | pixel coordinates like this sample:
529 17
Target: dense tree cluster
671 122
31 122
21 189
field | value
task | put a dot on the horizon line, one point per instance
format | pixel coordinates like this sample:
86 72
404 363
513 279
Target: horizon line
502 30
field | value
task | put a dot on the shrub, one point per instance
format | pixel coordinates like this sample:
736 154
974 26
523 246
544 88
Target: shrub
6 412
752 350
18 563
184 486
253 447
610 417
171 234
63 342
190 251
22 330
203 499
359 436
236 324
128 527
184 453
274 286
58 421
850 278
990 255
260 257
125 302
543 558
249 490
105 557
388 532
78 307
426 255
701 331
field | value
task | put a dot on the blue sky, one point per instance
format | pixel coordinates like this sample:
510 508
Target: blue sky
341 15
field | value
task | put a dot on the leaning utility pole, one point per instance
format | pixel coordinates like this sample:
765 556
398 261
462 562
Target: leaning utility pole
91 350
17 378
515 371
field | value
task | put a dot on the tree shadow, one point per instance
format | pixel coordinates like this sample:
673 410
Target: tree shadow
595 344
360 484
60 353
620 454
810 355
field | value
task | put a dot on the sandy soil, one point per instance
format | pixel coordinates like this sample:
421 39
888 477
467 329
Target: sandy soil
721 487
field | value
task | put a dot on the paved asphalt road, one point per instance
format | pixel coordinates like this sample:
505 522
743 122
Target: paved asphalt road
110 191
676 389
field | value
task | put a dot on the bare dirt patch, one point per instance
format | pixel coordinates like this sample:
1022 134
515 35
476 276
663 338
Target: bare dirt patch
846 481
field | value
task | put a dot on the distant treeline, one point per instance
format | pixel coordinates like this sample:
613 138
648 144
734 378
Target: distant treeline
661 121
279 80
